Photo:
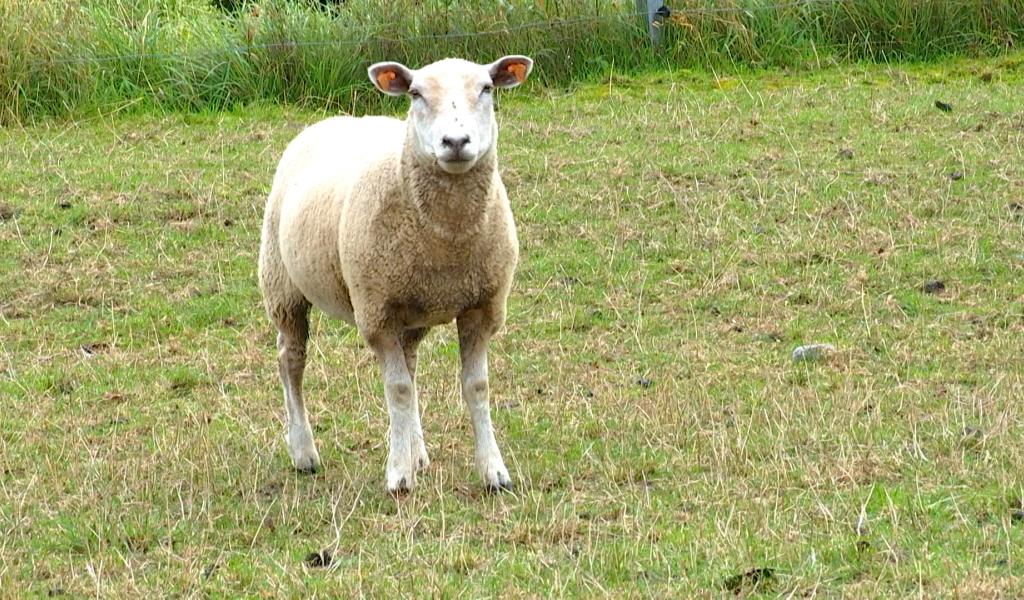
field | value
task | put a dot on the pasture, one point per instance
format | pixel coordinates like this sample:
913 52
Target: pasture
680 234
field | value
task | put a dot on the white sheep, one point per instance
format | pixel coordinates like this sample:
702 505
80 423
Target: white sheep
397 226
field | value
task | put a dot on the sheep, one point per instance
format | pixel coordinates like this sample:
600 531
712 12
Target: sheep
396 226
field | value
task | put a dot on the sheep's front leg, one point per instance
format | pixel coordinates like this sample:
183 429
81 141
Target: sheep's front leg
400 394
475 329
410 340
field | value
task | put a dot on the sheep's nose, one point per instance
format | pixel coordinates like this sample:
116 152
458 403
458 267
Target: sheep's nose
455 143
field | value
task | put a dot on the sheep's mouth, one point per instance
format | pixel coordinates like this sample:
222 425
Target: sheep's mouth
454 157
456 165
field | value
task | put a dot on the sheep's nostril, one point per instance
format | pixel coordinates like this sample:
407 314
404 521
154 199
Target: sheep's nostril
456 144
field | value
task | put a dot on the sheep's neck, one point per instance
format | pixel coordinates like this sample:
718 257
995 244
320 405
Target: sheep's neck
453 207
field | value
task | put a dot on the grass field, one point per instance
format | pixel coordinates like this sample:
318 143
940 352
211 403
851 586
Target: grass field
680 234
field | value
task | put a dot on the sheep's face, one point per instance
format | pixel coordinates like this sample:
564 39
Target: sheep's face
452 110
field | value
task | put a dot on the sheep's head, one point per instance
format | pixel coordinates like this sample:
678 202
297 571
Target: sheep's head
452 111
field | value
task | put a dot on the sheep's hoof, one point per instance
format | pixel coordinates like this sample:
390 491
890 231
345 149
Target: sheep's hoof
501 486
422 463
399 489
308 469
302 450
306 462
400 481
497 480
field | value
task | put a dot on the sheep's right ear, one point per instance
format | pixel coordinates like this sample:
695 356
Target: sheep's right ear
391 78
510 71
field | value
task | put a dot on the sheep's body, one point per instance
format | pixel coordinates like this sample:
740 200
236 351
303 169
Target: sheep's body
362 226
343 228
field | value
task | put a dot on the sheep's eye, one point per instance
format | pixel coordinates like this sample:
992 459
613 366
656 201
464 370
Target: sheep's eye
487 89
415 94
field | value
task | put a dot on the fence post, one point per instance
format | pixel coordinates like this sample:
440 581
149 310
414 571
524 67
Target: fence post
651 11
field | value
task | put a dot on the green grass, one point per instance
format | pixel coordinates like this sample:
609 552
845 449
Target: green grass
681 228
88 58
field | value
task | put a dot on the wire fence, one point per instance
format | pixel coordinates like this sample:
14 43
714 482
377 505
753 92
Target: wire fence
222 59
657 17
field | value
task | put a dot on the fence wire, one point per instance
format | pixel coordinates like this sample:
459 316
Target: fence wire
539 24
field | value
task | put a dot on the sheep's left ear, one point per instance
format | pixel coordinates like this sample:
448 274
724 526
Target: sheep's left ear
510 71
391 78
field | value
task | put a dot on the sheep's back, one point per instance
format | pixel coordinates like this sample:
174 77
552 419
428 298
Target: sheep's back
315 180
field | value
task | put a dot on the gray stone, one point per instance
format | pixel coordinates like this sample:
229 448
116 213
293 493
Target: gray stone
812 352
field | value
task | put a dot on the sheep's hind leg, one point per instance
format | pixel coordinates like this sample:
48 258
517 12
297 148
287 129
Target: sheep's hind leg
410 340
293 332
401 398
475 330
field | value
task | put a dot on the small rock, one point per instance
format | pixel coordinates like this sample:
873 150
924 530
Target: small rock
812 352
943 106
318 560
644 382
229 222
956 175
933 286
846 153
1017 516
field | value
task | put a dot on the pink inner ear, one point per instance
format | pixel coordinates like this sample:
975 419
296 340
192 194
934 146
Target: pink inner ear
517 69
384 79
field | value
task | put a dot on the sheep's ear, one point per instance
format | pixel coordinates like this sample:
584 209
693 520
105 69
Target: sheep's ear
510 71
391 78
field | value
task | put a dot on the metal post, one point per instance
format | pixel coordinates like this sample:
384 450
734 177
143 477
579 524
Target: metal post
652 11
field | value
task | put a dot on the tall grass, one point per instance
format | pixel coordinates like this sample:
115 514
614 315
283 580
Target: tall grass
789 32
60 58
